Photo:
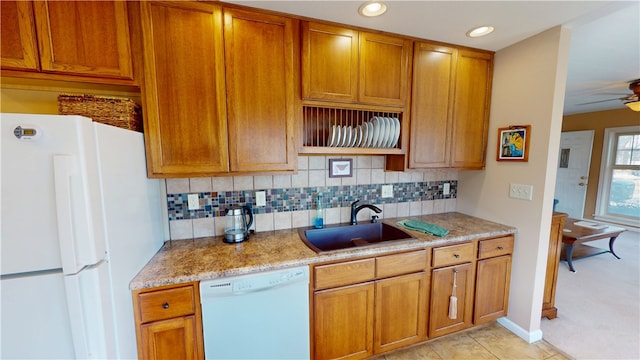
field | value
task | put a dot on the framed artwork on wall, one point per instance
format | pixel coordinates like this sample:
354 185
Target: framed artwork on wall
513 143
340 167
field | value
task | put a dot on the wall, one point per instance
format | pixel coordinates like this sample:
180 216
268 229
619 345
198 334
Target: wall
598 121
528 88
291 198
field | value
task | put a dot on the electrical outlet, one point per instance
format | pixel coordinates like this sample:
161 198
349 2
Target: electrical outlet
261 198
387 191
446 188
194 203
519 191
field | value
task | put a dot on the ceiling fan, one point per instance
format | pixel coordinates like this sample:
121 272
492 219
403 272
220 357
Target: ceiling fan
632 101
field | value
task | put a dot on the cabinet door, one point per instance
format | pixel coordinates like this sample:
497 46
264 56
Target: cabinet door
471 109
184 92
84 38
492 289
170 339
384 69
18 37
432 95
329 62
343 322
260 78
401 311
441 286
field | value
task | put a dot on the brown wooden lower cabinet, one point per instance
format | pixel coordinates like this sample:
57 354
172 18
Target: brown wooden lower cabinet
401 311
343 322
169 322
555 247
441 290
493 277
170 339
383 309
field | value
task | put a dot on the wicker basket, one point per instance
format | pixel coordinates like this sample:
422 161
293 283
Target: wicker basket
120 112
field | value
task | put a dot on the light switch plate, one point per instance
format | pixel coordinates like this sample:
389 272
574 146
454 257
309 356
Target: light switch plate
387 191
520 191
261 198
446 188
194 203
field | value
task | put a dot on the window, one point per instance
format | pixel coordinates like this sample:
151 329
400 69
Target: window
619 187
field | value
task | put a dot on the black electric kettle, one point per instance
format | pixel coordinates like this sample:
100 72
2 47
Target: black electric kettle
237 227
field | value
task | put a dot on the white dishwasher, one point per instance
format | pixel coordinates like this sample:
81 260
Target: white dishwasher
262 316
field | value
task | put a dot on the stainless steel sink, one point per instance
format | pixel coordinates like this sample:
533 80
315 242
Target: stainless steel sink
345 236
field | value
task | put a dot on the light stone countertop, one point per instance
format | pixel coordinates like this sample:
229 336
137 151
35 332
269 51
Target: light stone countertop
180 261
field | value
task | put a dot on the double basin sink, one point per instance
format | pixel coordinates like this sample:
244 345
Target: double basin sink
345 237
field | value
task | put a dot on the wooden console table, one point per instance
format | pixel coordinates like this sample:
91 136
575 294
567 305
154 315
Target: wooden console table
574 235
555 247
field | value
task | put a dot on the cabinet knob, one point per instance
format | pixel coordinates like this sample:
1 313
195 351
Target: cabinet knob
456 256
165 305
500 248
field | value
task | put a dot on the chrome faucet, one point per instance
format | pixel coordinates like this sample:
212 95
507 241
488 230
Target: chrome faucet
355 210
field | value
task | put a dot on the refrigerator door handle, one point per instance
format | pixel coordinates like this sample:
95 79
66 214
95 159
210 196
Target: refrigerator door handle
76 316
63 170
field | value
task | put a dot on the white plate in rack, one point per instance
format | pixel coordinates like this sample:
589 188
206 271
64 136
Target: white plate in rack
335 135
396 134
387 132
376 132
365 133
371 134
358 138
347 136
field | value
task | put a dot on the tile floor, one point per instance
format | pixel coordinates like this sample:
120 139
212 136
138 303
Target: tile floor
491 341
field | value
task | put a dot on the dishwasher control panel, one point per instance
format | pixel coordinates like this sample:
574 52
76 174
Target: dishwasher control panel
254 282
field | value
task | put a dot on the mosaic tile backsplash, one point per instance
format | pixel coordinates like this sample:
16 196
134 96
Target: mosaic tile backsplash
290 198
214 204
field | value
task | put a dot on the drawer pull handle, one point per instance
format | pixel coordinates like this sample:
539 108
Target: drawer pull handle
456 256
500 248
165 305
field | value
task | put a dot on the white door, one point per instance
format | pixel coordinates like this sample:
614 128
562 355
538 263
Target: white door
573 172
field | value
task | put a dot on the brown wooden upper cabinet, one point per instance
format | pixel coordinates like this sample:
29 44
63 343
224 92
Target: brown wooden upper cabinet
217 104
345 65
449 107
19 48
262 83
79 38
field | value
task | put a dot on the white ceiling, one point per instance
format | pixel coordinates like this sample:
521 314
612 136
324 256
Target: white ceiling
605 44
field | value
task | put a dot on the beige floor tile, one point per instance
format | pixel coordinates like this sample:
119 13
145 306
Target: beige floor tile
506 345
491 341
460 347
419 352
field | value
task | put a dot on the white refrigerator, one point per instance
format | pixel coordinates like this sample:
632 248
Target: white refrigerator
79 219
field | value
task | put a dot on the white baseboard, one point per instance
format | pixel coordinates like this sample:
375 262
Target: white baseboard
529 337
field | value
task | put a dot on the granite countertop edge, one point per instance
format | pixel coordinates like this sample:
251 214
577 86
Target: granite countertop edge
181 261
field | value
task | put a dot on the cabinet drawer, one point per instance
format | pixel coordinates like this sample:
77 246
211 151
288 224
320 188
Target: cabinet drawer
399 264
346 273
495 247
453 254
165 304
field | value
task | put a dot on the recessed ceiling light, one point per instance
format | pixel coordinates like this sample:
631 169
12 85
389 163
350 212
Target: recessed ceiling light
372 8
480 31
